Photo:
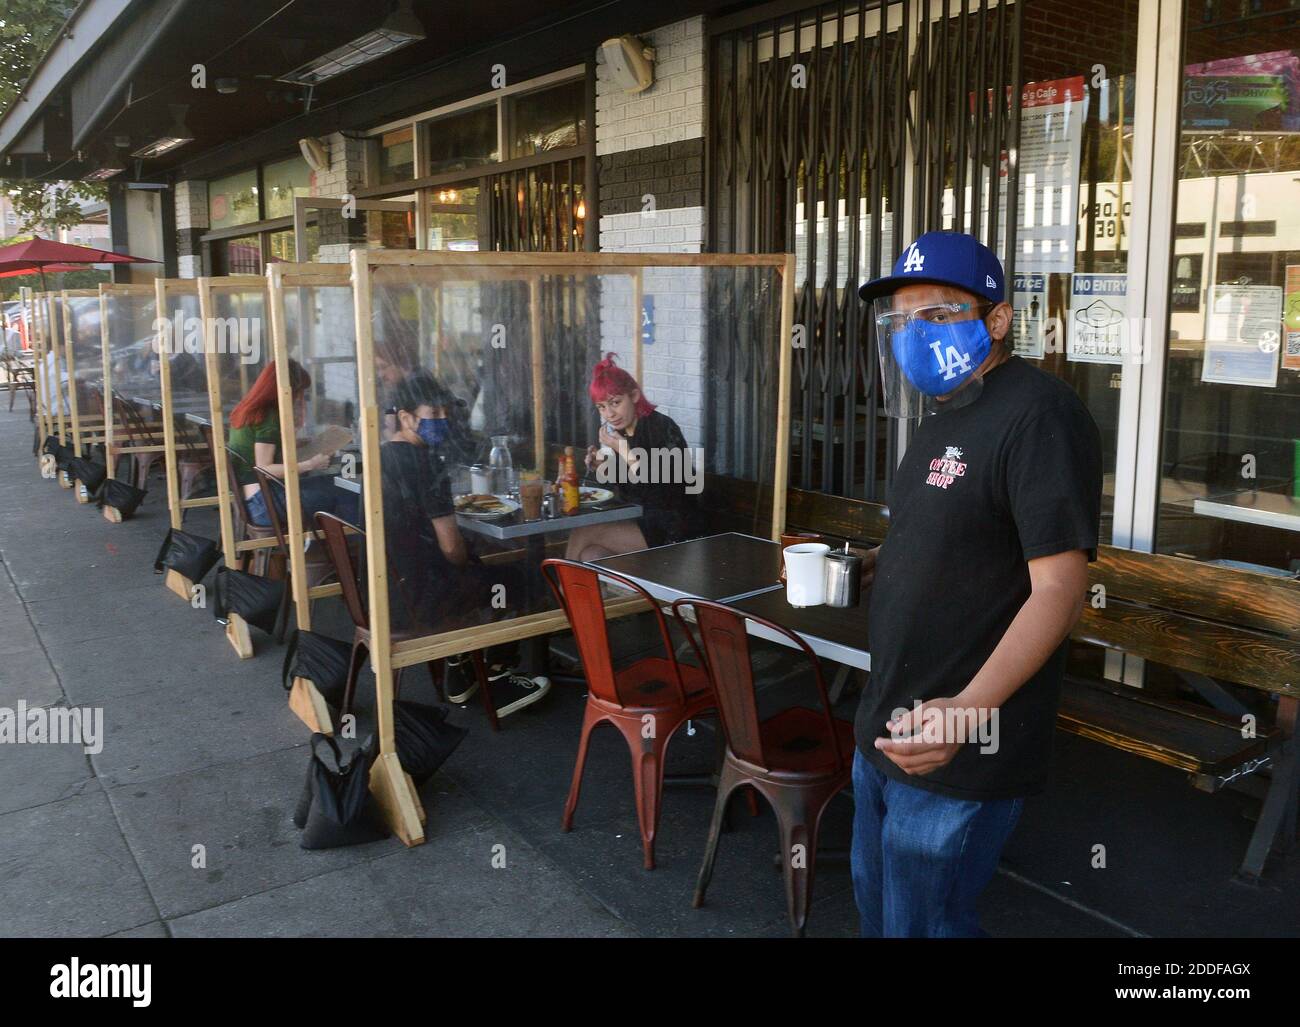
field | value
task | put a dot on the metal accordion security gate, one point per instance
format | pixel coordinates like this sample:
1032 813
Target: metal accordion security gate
839 132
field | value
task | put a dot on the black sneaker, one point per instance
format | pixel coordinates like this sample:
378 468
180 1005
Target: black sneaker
515 692
461 681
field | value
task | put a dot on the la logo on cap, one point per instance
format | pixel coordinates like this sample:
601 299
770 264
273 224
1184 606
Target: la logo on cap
915 260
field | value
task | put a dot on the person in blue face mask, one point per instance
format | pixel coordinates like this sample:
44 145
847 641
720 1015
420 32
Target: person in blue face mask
994 515
436 581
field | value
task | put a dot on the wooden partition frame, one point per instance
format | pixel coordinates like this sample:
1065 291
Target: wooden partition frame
87 428
391 786
112 427
35 339
236 628
281 277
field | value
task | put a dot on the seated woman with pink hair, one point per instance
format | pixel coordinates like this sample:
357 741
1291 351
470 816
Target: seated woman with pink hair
643 458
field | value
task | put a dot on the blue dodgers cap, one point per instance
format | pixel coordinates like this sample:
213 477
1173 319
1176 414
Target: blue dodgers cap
944 258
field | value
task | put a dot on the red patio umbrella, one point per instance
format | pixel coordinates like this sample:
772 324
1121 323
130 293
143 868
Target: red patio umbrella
37 254
51 268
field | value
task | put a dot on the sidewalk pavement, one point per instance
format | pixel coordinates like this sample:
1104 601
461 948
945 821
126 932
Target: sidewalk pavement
200 750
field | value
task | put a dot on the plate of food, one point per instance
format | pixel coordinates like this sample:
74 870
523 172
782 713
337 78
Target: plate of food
477 504
589 496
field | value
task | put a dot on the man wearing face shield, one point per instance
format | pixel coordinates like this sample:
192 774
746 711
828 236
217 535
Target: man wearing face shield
994 515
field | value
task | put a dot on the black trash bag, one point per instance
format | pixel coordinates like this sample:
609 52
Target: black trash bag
342 811
322 660
303 809
424 738
62 454
191 556
123 498
89 472
254 598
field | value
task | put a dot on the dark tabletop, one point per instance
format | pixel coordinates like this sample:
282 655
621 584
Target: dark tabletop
718 567
844 627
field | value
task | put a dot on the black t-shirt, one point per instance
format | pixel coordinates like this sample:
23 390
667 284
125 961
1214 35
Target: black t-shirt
1014 476
417 489
671 512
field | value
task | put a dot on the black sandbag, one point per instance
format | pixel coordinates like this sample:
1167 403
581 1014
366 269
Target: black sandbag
253 597
62 454
342 811
123 498
424 738
89 472
322 660
191 556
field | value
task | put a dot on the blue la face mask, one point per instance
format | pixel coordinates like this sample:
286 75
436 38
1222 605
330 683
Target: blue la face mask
433 430
937 358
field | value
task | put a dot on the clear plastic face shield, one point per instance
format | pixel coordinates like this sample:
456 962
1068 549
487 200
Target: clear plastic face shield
929 352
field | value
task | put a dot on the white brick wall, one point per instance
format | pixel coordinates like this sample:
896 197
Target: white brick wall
347 168
191 199
671 109
189 267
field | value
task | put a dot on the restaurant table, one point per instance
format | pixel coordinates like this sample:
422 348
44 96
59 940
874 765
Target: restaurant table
1271 509
742 571
512 526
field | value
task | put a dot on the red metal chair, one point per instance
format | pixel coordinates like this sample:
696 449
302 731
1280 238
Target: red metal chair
797 759
658 687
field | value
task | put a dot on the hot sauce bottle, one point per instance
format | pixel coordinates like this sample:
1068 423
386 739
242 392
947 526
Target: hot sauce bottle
570 498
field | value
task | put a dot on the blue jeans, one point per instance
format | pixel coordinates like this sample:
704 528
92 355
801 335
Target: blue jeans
920 859
316 493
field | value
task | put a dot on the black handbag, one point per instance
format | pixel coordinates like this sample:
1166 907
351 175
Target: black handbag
424 738
322 660
89 472
123 498
340 810
191 556
253 597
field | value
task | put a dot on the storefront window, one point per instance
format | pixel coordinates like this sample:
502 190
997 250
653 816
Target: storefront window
284 180
1075 202
239 256
462 141
453 218
279 246
397 156
550 119
233 200
1231 439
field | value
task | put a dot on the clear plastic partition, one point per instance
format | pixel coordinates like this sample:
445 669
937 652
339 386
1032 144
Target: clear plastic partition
56 368
314 336
85 366
237 353
489 375
483 375
132 388
183 381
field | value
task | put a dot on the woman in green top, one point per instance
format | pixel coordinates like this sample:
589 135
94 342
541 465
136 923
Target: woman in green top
255 438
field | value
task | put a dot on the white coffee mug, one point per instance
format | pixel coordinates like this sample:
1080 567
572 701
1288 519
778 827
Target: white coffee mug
805 573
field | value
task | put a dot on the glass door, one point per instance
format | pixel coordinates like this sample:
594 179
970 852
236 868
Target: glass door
1230 438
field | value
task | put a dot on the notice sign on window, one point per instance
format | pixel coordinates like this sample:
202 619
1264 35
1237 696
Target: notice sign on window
1242 335
1291 319
1097 324
1029 300
1051 135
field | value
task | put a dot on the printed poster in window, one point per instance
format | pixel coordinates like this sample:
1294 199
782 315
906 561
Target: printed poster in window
1291 319
1097 323
1029 301
1242 335
1051 137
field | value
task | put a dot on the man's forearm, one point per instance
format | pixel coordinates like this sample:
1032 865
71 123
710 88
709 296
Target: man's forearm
1041 625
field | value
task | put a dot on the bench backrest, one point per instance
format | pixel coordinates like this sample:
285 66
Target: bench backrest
1231 624
1234 625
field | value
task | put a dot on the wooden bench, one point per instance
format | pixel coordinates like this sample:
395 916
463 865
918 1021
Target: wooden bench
1210 624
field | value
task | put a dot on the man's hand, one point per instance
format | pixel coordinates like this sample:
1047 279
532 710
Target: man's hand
924 722
868 565
317 463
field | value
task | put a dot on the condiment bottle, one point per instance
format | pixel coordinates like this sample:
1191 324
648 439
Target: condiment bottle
570 498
